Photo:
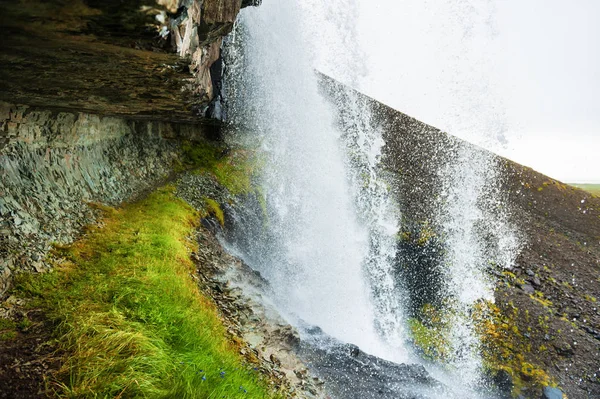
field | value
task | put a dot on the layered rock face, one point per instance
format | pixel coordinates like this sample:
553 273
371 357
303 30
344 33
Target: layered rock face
141 59
198 34
97 102
53 164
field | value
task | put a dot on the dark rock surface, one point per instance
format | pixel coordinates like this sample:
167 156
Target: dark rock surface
52 164
551 295
112 57
350 373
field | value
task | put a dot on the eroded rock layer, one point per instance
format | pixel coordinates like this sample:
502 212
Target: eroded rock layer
52 164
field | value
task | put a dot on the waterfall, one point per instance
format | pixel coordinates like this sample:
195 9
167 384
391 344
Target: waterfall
317 248
323 230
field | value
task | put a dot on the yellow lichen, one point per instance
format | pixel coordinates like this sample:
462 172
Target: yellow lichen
504 349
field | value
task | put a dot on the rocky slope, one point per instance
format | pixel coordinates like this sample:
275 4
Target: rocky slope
98 99
547 318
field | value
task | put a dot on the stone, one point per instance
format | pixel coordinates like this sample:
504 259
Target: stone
251 3
528 288
504 382
220 11
552 393
354 350
564 349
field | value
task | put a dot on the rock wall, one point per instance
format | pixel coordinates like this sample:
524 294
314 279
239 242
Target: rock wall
112 57
548 314
53 163
197 33
106 108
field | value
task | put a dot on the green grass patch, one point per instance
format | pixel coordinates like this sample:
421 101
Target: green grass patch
8 330
233 168
131 318
214 209
590 188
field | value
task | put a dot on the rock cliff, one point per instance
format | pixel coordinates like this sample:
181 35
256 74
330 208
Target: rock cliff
96 98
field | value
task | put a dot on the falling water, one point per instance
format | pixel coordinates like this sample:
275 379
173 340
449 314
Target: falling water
316 247
324 235
471 210
373 201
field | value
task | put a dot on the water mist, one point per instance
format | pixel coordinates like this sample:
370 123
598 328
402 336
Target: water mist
315 247
324 230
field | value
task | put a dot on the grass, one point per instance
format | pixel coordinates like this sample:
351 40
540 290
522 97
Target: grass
215 210
591 188
233 168
130 316
8 330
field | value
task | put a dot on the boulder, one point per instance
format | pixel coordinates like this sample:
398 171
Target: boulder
552 393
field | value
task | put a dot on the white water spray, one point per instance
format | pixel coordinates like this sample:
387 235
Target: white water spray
316 261
330 247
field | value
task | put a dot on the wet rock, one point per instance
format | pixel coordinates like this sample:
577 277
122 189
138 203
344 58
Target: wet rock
564 349
248 3
552 393
594 333
504 382
346 377
527 288
530 272
354 350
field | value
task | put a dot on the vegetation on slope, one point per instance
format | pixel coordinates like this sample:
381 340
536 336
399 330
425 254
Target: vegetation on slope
128 314
591 188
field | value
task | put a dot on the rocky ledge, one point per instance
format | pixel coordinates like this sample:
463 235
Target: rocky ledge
142 59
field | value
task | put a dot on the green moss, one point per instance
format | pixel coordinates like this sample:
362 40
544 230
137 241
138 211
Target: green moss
132 321
7 335
539 298
234 169
403 236
430 340
262 201
214 209
567 285
512 278
422 235
202 154
504 349
8 329
429 333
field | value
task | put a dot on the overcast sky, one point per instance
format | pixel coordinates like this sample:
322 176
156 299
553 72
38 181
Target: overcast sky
521 77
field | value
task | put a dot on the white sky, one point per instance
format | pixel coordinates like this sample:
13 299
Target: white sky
521 77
